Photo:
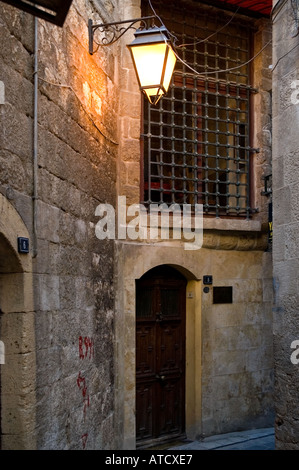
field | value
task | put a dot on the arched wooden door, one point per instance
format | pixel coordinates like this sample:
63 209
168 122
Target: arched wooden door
160 355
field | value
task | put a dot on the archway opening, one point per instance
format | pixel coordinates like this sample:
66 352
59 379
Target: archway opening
17 333
9 262
160 356
11 301
165 271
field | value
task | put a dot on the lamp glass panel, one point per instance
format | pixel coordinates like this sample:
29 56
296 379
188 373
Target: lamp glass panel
149 61
171 61
153 94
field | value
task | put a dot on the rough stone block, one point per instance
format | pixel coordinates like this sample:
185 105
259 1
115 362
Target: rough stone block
129 105
48 224
47 292
291 240
9 176
16 293
232 362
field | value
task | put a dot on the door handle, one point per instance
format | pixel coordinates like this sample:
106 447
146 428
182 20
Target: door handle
160 377
159 317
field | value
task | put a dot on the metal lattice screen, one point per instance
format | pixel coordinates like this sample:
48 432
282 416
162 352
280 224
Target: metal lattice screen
197 139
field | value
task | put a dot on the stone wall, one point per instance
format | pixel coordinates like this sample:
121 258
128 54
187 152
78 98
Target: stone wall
88 152
76 170
230 383
285 236
229 368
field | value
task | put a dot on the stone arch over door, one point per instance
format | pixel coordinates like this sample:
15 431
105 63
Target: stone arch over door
134 262
17 332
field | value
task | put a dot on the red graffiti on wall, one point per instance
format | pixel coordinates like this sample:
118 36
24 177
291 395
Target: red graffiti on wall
81 382
87 344
84 440
86 351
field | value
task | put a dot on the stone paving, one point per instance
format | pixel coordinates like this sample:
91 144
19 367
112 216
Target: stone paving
257 439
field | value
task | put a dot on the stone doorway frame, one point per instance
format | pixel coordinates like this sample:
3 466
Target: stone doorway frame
130 268
17 331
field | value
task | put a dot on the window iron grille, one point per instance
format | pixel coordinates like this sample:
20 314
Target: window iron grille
196 142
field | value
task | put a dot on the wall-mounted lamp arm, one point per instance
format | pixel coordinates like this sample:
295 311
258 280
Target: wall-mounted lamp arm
151 52
114 31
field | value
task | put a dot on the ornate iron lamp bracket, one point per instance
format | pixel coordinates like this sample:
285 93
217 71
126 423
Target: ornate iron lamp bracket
113 31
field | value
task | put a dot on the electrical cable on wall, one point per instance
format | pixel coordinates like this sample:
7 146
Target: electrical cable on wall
294 4
276 10
82 106
213 34
225 70
203 40
283 56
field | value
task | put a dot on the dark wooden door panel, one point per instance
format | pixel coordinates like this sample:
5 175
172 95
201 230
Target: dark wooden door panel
145 350
160 357
170 343
170 408
170 302
145 307
144 417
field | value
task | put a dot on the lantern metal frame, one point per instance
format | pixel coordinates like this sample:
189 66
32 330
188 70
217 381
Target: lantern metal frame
152 36
114 31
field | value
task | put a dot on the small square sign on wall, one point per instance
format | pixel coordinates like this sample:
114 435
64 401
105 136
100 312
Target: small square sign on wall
23 245
207 280
223 295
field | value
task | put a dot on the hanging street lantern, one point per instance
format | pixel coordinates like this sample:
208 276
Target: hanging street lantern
154 60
